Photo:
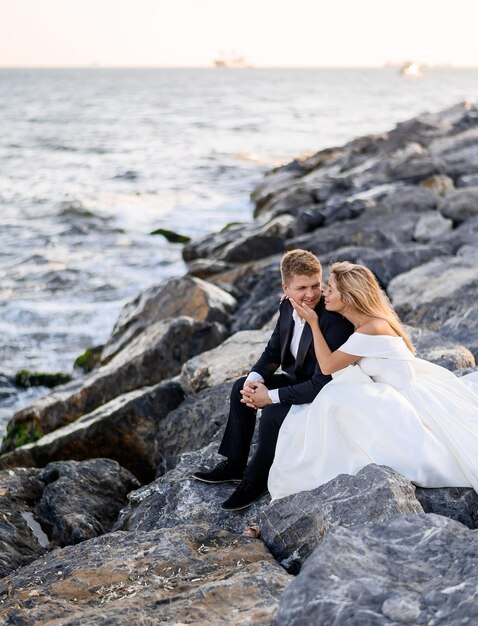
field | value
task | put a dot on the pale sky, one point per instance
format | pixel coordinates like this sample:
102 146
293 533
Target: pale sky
283 33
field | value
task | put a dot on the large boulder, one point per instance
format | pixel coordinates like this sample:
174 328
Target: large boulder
431 226
176 498
292 527
441 295
155 354
457 153
61 504
193 425
229 361
183 575
82 500
20 541
412 569
460 204
176 297
124 429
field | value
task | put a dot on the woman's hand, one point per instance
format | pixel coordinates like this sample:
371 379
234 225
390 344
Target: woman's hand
305 312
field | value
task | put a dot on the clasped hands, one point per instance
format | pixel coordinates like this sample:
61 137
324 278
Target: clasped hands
255 395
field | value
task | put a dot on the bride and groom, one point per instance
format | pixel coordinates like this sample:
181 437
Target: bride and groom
352 392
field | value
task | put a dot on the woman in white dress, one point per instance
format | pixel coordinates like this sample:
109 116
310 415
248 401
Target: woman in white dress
382 406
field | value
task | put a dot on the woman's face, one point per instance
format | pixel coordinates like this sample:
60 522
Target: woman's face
332 297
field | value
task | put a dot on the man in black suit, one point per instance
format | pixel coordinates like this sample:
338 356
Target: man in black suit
291 348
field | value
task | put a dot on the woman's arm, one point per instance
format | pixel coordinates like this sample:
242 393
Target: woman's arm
329 362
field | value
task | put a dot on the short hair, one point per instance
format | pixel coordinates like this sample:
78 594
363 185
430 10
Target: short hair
299 263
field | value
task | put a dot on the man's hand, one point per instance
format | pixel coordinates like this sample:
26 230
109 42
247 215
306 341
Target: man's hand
255 395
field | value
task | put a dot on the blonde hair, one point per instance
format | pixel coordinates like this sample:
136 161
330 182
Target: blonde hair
299 263
359 289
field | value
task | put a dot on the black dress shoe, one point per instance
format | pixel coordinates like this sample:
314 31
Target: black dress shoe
224 472
245 494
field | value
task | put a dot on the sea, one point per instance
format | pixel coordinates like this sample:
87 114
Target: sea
93 160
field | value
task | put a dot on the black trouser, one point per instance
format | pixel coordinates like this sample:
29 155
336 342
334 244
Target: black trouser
236 441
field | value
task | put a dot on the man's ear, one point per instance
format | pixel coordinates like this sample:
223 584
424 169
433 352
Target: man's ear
284 287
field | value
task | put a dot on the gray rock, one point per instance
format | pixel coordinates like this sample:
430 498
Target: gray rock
123 429
412 569
460 204
194 424
292 527
176 576
431 226
467 181
19 544
176 498
229 361
82 500
458 503
186 295
441 295
289 200
250 247
458 153
432 346
155 354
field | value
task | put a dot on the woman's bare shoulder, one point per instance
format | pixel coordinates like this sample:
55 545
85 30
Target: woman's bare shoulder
376 326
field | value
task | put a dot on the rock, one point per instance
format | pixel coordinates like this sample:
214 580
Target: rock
461 204
209 246
171 235
458 503
82 500
194 424
205 268
251 247
229 361
386 264
289 200
176 576
26 379
440 183
431 226
19 544
441 295
410 199
458 153
154 355
176 297
412 569
341 234
467 181
123 429
292 527
176 498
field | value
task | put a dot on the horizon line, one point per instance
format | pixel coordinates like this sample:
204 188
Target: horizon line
94 66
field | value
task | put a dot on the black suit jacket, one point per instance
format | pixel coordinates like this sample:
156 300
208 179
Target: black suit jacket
306 377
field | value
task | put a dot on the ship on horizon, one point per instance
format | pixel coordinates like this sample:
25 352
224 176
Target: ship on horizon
233 60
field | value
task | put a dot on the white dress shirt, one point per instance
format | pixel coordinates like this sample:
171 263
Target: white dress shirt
294 347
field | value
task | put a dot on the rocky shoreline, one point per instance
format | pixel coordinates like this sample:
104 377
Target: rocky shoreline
101 521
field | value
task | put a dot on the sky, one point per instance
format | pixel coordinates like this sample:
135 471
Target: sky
269 33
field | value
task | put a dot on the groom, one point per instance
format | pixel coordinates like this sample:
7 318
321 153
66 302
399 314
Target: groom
291 348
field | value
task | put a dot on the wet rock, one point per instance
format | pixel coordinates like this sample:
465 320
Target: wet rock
292 527
185 575
197 421
413 569
460 204
176 297
154 355
229 361
176 498
82 500
458 503
441 295
20 489
123 429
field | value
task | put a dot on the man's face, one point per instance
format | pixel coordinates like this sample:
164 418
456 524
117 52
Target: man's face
304 289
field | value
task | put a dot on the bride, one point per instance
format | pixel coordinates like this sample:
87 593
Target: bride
382 406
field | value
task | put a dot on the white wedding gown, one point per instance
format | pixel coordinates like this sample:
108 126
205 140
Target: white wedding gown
390 408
